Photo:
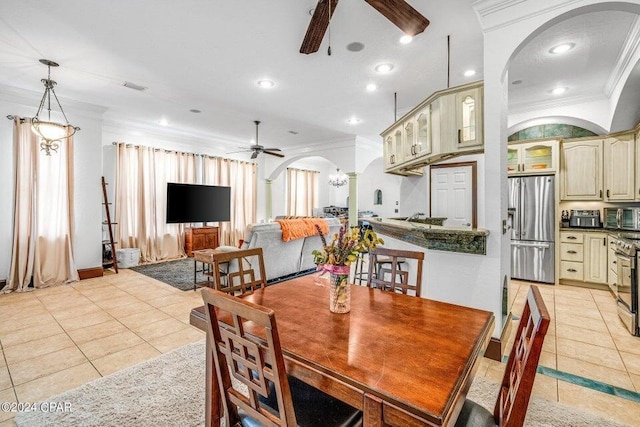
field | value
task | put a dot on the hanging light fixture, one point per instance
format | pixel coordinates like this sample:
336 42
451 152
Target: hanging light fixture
50 132
339 179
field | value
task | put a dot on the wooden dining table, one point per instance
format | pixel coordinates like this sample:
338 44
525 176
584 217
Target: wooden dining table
402 360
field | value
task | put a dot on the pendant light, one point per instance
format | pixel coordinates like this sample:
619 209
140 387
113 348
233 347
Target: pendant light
339 179
49 131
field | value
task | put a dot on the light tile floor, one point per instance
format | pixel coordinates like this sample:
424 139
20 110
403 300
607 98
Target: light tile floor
589 359
59 338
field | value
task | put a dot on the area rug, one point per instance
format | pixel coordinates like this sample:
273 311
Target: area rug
169 391
178 273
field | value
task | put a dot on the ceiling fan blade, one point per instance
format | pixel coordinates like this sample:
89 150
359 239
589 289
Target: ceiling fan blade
271 149
254 154
273 153
246 150
318 26
405 17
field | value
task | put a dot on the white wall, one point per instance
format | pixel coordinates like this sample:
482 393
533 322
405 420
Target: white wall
373 178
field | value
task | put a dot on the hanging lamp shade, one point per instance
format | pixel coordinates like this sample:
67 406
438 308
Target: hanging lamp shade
49 131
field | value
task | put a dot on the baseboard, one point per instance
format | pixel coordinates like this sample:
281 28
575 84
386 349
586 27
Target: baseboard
90 273
496 346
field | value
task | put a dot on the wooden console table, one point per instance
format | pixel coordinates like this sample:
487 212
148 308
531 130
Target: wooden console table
200 238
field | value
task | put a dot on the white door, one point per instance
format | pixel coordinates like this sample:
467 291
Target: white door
452 195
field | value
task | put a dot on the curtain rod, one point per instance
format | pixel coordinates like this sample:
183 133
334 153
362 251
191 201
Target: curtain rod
11 117
180 152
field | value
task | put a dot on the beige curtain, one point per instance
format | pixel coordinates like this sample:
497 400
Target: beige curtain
43 213
302 191
241 177
142 174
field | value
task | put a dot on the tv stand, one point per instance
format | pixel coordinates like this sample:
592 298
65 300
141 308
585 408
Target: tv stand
200 238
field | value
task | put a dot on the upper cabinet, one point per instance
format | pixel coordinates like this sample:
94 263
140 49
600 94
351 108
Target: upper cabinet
532 157
447 124
469 117
581 170
619 170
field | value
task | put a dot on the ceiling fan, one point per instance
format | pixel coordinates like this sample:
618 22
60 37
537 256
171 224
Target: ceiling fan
257 149
399 12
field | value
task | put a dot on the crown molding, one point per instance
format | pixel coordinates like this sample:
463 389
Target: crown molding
496 14
527 107
624 62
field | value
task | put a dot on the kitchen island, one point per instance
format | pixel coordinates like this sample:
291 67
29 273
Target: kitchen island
438 237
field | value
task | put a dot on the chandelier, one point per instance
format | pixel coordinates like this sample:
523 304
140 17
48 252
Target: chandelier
49 131
339 179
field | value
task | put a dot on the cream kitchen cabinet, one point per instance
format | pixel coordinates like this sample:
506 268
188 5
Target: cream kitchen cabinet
532 157
612 273
637 192
581 170
619 167
393 149
595 257
468 113
583 256
429 133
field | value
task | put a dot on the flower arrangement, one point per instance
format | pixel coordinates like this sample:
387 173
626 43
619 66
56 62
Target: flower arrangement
336 258
345 246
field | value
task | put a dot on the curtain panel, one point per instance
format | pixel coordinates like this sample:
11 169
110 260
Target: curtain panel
241 177
142 174
42 249
302 191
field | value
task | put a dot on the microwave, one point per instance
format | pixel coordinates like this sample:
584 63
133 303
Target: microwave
622 218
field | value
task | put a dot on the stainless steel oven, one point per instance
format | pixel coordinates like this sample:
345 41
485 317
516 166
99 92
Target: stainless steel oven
626 249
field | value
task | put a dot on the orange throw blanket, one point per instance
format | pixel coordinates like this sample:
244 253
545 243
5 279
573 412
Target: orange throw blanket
301 227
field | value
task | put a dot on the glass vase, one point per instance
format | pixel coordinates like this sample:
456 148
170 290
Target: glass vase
339 292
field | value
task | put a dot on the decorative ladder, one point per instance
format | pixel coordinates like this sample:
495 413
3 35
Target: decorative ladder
113 262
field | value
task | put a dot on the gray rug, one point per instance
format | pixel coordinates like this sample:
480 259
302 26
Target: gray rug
178 273
169 391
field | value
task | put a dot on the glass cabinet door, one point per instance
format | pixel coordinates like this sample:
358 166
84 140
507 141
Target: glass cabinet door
398 144
469 117
389 152
513 162
408 141
423 137
537 158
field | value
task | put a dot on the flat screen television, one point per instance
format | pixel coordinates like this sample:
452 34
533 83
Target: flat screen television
197 203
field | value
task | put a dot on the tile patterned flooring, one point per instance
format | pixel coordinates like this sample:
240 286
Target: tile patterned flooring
58 338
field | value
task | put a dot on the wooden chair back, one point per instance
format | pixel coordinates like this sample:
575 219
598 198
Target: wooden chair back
517 383
244 271
258 364
389 275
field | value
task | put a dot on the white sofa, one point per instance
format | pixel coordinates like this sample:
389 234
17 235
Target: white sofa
284 258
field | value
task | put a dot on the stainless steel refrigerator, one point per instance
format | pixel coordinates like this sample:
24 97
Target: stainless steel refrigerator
532 212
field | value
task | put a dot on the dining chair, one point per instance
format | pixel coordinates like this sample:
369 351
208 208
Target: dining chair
239 267
271 397
515 391
385 271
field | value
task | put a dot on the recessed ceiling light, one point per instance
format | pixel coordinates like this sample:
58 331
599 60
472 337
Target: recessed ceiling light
470 73
353 121
562 48
406 39
266 84
372 87
516 82
558 90
163 122
195 110
384 68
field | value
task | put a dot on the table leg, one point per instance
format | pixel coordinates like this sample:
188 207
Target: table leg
212 394
372 411
195 272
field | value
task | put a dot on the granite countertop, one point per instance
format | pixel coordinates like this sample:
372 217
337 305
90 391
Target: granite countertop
453 239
